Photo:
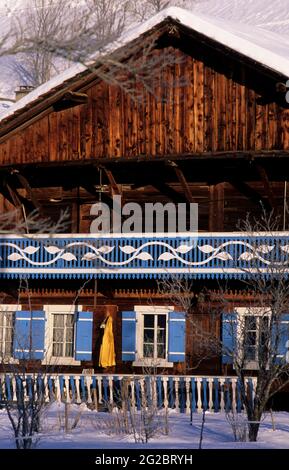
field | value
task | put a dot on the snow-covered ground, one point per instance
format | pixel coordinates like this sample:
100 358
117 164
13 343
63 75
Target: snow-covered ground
90 432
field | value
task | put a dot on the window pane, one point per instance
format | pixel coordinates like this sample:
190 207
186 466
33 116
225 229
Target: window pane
250 353
161 351
69 320
148 336
69 350
148 350
58 320
58 334
57 349
69 335
149 321
251 338
8 335
8 349
161 336
250 322
162 321
9 320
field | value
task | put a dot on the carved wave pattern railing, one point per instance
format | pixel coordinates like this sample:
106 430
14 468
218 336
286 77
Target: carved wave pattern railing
207 256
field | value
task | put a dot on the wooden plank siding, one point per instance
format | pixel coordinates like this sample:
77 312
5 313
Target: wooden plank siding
214 110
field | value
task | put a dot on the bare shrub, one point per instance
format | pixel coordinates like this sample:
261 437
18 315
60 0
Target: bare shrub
239 425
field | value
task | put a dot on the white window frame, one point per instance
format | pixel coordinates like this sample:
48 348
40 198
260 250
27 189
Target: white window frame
9 308
50 311
142 310
259 312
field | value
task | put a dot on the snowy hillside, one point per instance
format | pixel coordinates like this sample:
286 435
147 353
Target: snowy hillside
267 14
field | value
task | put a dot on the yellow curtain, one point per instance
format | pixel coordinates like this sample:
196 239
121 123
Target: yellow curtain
107 354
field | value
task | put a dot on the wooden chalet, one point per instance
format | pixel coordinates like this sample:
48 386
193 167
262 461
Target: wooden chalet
214 131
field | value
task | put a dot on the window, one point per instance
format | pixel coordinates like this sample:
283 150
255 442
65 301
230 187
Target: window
255 334
63 335
253 330
152 336
7 320
60 334
7 325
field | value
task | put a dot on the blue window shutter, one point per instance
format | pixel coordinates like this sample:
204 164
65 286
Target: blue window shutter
83 343
29 334
128 345
229 336
38 333
282 329
177 336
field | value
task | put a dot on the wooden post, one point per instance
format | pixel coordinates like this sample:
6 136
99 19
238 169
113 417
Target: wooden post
216 207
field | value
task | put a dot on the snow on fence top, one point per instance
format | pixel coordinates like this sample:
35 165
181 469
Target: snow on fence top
265 47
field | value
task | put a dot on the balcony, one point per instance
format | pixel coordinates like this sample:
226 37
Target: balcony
184 394
198 255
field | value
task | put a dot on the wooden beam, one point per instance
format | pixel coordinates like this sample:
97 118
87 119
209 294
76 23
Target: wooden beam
266 183
250 193
17 199
114 186
28 188
8 194
69 100
183 182
171 193
91 190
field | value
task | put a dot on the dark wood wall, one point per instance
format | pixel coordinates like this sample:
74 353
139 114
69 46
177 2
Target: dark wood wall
208 102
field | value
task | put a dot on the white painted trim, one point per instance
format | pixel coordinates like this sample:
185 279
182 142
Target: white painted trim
119 270
10 307
153 308
147 362
143 235
61 361
28 350
177 352
30 319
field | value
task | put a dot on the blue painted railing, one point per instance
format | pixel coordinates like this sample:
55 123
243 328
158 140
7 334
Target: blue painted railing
203 255
181 393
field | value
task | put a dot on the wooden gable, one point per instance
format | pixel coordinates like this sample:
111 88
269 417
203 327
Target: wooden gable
207 101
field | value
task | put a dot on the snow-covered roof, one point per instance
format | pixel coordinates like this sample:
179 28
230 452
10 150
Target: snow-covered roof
265 47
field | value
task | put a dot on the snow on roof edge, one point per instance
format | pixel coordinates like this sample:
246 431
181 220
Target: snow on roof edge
213 28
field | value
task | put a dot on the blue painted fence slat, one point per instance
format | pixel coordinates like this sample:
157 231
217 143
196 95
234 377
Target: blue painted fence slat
137 394
205 400
216 395
193 395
